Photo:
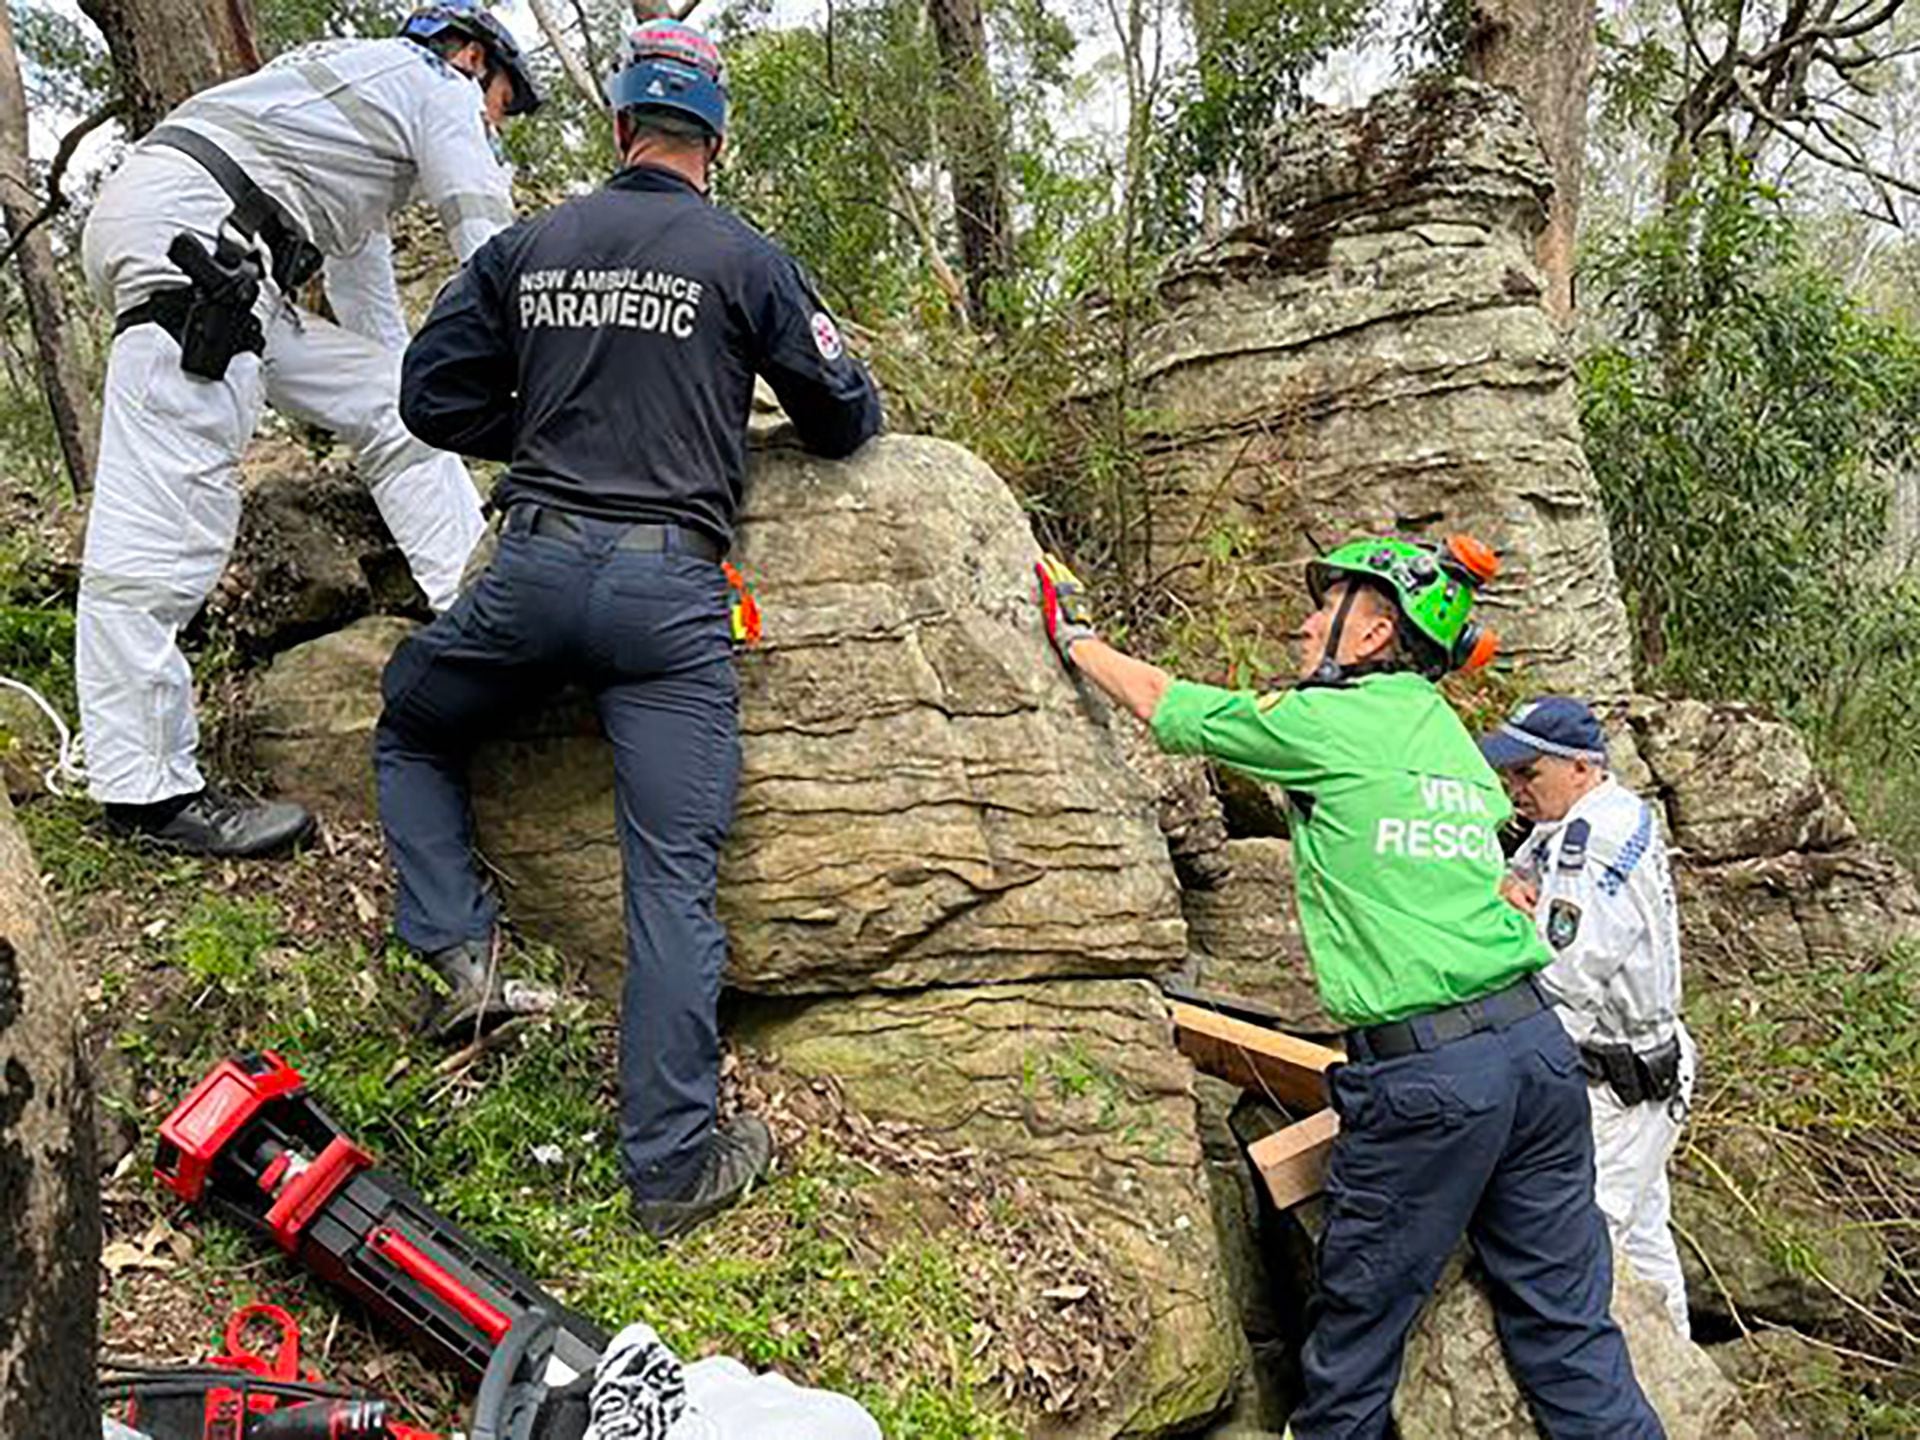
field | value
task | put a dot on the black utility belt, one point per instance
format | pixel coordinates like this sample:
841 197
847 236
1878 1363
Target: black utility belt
1635 1078
648 537
256 214
1435 1028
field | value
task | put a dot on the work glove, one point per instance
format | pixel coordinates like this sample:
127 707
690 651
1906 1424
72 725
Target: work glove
1063 604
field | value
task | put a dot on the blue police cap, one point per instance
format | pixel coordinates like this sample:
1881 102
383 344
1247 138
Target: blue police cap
1558 725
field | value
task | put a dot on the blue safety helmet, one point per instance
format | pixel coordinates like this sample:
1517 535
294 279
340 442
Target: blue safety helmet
472 21
669 65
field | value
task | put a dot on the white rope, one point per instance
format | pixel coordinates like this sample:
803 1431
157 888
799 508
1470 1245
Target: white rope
70 767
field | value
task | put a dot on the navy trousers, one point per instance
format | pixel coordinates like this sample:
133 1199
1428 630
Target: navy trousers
648 634
1486 1137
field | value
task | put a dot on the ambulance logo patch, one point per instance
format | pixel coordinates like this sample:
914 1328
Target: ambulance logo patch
826 336
1563 923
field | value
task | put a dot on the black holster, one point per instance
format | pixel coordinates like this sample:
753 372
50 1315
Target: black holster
211 316
1635 1079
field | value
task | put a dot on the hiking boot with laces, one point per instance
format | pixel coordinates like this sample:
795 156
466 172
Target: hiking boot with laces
215 823
738 1158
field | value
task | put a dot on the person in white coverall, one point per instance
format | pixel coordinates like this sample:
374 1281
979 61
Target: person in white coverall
1593 873
264 179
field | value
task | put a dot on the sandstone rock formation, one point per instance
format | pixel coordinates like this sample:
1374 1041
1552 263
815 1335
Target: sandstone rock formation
1761 1244
925 798
1371 353
1457 1387
312 713
1771 870
1074 1085
311 556
1245 940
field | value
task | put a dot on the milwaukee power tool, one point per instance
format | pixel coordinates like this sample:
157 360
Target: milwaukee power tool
251 1141
240 1394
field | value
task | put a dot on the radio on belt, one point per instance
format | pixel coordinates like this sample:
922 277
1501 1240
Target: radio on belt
250 1140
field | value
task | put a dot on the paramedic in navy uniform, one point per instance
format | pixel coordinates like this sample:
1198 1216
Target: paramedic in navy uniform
607 351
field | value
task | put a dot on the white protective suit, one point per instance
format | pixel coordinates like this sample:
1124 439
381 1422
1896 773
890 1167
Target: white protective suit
642 1391
1607 911
342 134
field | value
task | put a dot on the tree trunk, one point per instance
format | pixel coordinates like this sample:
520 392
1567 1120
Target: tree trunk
970 130
71 401
49 1185
165 50
1543 51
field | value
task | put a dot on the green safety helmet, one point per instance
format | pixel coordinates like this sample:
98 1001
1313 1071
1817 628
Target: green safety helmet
1432 586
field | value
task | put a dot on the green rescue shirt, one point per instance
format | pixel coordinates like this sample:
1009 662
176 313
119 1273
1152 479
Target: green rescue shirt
1395 857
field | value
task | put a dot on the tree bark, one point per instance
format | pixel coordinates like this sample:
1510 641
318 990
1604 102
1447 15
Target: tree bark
49 1184
70 401
1543 51
970 132
165 50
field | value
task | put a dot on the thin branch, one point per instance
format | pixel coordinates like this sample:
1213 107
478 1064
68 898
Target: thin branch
62 157
1850 29
586 39
570 61
645 10
1805 142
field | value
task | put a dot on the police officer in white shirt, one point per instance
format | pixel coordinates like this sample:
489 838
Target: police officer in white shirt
1594 875
201 242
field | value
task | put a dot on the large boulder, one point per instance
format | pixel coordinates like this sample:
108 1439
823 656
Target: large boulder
1771 871
312 554
1245 940
1737 784
1456 1385
1074 1086
312 712
926 798
1370 352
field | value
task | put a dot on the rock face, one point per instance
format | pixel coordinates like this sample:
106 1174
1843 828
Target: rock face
1371 353
313 712
926 798
1245 937
1771 870
311 555
1456 1385
1075 1086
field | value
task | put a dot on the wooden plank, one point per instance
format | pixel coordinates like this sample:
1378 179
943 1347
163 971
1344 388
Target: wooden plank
1254 1057
1293 1161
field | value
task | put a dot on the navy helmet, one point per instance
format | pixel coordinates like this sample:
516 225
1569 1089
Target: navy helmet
666 64
472 21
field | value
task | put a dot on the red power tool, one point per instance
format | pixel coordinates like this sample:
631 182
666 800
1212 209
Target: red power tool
250 1140
242 1395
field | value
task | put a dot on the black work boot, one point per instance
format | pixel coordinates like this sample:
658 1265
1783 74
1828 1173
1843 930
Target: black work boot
476 998
214 823
740 1155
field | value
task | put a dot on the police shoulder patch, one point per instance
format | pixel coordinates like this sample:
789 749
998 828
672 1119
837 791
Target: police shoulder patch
826 336
1572 854
1563 923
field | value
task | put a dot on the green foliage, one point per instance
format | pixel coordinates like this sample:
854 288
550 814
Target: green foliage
221 941
827 129
1745 424
1252 58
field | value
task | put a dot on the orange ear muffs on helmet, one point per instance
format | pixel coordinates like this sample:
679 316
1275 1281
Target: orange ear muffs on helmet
1476 647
